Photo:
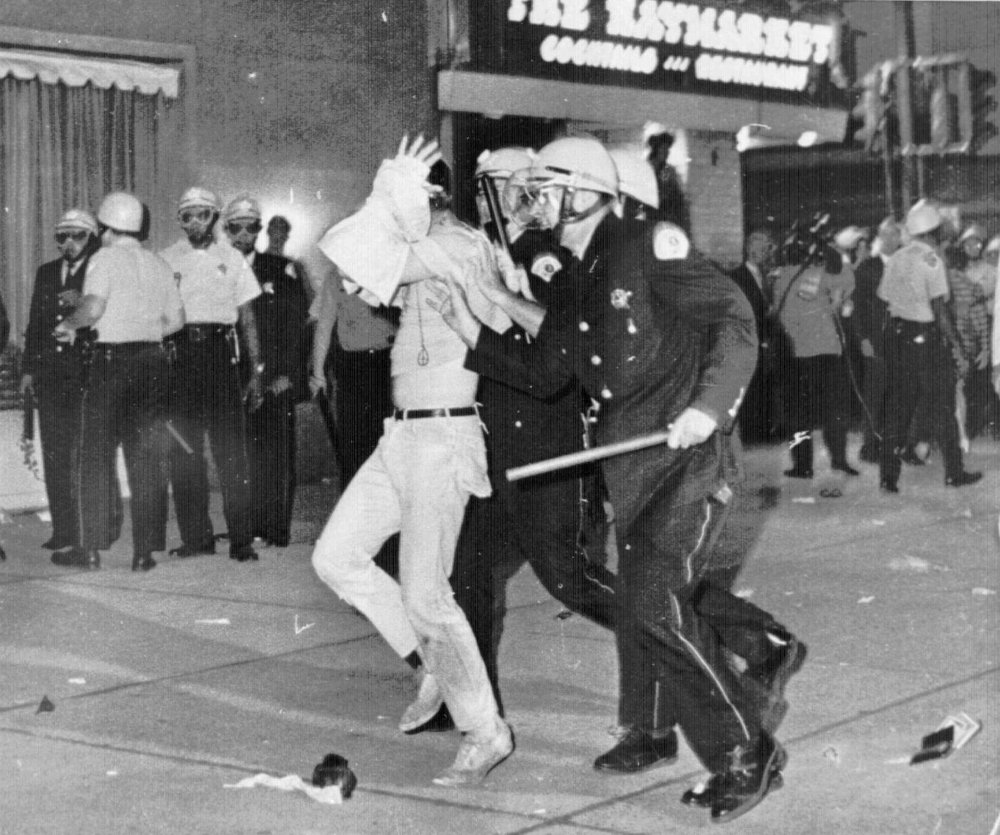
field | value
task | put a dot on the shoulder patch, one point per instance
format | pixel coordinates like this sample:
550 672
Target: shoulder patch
545 266
930 259
669 242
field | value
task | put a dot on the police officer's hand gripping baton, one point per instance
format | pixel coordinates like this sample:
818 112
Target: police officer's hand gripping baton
586 456
496 216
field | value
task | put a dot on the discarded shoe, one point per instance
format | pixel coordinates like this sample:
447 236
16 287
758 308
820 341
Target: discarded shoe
638 751
744 783
334 771
422 709
477 756
440 722
77 558
962 479
143 561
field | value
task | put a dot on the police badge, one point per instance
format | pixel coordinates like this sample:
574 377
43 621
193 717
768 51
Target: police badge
545 266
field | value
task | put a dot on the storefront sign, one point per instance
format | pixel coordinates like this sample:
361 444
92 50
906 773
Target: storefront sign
664 45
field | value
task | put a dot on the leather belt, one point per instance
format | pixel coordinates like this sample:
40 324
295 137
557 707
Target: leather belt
412 414
199 332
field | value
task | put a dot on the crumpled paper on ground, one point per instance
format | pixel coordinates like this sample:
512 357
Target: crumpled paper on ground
290 783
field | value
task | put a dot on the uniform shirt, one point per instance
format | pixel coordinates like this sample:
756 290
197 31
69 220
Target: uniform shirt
810 302
869 309
213 282
914 275
138 290
41 348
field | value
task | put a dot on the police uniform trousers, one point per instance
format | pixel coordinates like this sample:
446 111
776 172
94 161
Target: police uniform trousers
364 401
123 405
921 375
58 386
271 450
546 522
675 628
206 397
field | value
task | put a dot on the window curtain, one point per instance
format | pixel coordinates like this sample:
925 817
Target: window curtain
63 147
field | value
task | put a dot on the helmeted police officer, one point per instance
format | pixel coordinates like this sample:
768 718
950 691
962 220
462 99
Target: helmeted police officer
660 339
217 287
54 371
923 348
131 301
280 316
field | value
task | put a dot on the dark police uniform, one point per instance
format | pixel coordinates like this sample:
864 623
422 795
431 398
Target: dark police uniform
280 312
57 371
556 523
124 399
870 322
206 394
648 338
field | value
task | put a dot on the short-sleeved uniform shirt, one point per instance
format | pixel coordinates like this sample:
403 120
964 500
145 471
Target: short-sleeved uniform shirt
914 275
138 290
213 282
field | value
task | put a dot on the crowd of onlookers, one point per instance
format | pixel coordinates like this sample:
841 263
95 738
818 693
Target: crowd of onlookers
826 334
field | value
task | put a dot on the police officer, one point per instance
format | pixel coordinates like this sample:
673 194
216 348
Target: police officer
54 371
131 300
217 286
660 339
280 314
556 524
923 348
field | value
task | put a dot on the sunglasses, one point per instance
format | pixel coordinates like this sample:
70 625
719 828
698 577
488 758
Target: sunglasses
200 215
78 237
234 227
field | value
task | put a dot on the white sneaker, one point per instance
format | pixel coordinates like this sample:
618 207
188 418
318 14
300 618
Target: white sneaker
477 756
423 708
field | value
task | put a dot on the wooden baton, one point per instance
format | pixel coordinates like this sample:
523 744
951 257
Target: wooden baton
586 456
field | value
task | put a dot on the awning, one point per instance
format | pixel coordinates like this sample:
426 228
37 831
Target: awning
51 68
507 95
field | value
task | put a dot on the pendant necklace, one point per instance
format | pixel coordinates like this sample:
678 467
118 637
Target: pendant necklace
422 356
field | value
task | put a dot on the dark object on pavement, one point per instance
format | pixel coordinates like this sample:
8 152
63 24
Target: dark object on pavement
952 735
638 751
45 706
438 723
333 771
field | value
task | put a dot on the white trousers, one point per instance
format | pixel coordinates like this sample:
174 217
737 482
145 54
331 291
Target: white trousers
417 482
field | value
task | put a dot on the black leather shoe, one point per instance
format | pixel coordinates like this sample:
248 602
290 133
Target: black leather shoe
887 486
438 723
143 561
796 473
638 751
747 780
77 558
53 544
962 479
705 795
773 675
193 551
844 467
244 554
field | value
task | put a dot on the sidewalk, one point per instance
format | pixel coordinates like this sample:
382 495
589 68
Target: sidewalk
170 685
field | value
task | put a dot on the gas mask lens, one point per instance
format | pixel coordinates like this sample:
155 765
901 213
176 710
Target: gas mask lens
531 201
